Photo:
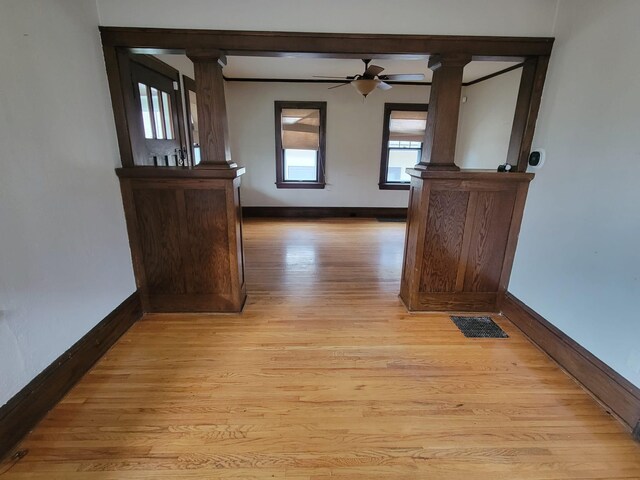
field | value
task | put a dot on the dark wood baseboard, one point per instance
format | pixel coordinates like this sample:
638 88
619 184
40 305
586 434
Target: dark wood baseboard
615 392
324 212
20 414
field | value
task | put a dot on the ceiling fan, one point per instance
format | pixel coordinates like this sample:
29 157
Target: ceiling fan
370 79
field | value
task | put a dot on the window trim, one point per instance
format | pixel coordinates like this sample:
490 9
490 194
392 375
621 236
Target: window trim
189 86
320 172
383 184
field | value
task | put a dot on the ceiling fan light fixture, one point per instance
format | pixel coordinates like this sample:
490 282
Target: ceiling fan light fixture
365 86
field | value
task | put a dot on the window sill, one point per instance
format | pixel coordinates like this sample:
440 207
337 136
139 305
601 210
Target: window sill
313 185
394 186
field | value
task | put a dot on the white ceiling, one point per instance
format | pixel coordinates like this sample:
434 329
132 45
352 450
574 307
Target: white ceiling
306 68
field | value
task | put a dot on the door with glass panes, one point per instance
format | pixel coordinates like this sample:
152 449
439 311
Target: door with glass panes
157 98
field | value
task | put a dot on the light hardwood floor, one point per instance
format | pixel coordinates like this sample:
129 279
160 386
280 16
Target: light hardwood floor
325 376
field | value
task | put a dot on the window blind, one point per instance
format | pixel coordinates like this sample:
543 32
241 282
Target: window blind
300 129
407 126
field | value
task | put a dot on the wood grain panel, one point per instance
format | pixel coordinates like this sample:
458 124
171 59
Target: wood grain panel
466 235
457 301
208 247
192 302
489 240
443 240
159 237
466 241
185 236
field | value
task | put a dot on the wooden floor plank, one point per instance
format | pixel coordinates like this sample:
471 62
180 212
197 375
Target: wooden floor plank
324 376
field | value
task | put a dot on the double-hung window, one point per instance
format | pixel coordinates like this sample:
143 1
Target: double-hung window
300 144
402 138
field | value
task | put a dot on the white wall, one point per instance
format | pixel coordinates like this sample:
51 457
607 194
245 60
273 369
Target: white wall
485 122
64 256
354 141
578 261
444 17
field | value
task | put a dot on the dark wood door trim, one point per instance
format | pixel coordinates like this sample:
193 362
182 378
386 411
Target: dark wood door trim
399 213
331 45
322 149
189 86
383 184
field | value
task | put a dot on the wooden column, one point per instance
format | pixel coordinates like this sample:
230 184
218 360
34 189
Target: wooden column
444 110
534 72
213 127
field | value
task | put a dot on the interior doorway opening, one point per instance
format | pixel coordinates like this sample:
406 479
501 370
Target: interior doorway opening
449 263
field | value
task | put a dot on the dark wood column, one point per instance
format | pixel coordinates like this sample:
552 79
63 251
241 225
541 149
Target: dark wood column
444 110
534 72
212 109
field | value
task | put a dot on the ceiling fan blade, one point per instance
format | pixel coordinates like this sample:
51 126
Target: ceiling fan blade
338 86
335 78
372 71
415 77
384 86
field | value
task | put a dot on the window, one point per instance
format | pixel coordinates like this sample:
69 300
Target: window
156 113
192 118
300 144
402 137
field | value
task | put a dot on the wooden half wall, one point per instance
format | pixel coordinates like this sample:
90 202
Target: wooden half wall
462 229
185 233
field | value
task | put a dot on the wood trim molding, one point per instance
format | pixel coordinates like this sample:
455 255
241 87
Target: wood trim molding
315 80
390 82
615 392
534 71
20 414
157 65
322 148
324 212
117 88
383 184
341 45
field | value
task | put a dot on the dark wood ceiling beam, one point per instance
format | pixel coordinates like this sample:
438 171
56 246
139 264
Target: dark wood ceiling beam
328 45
